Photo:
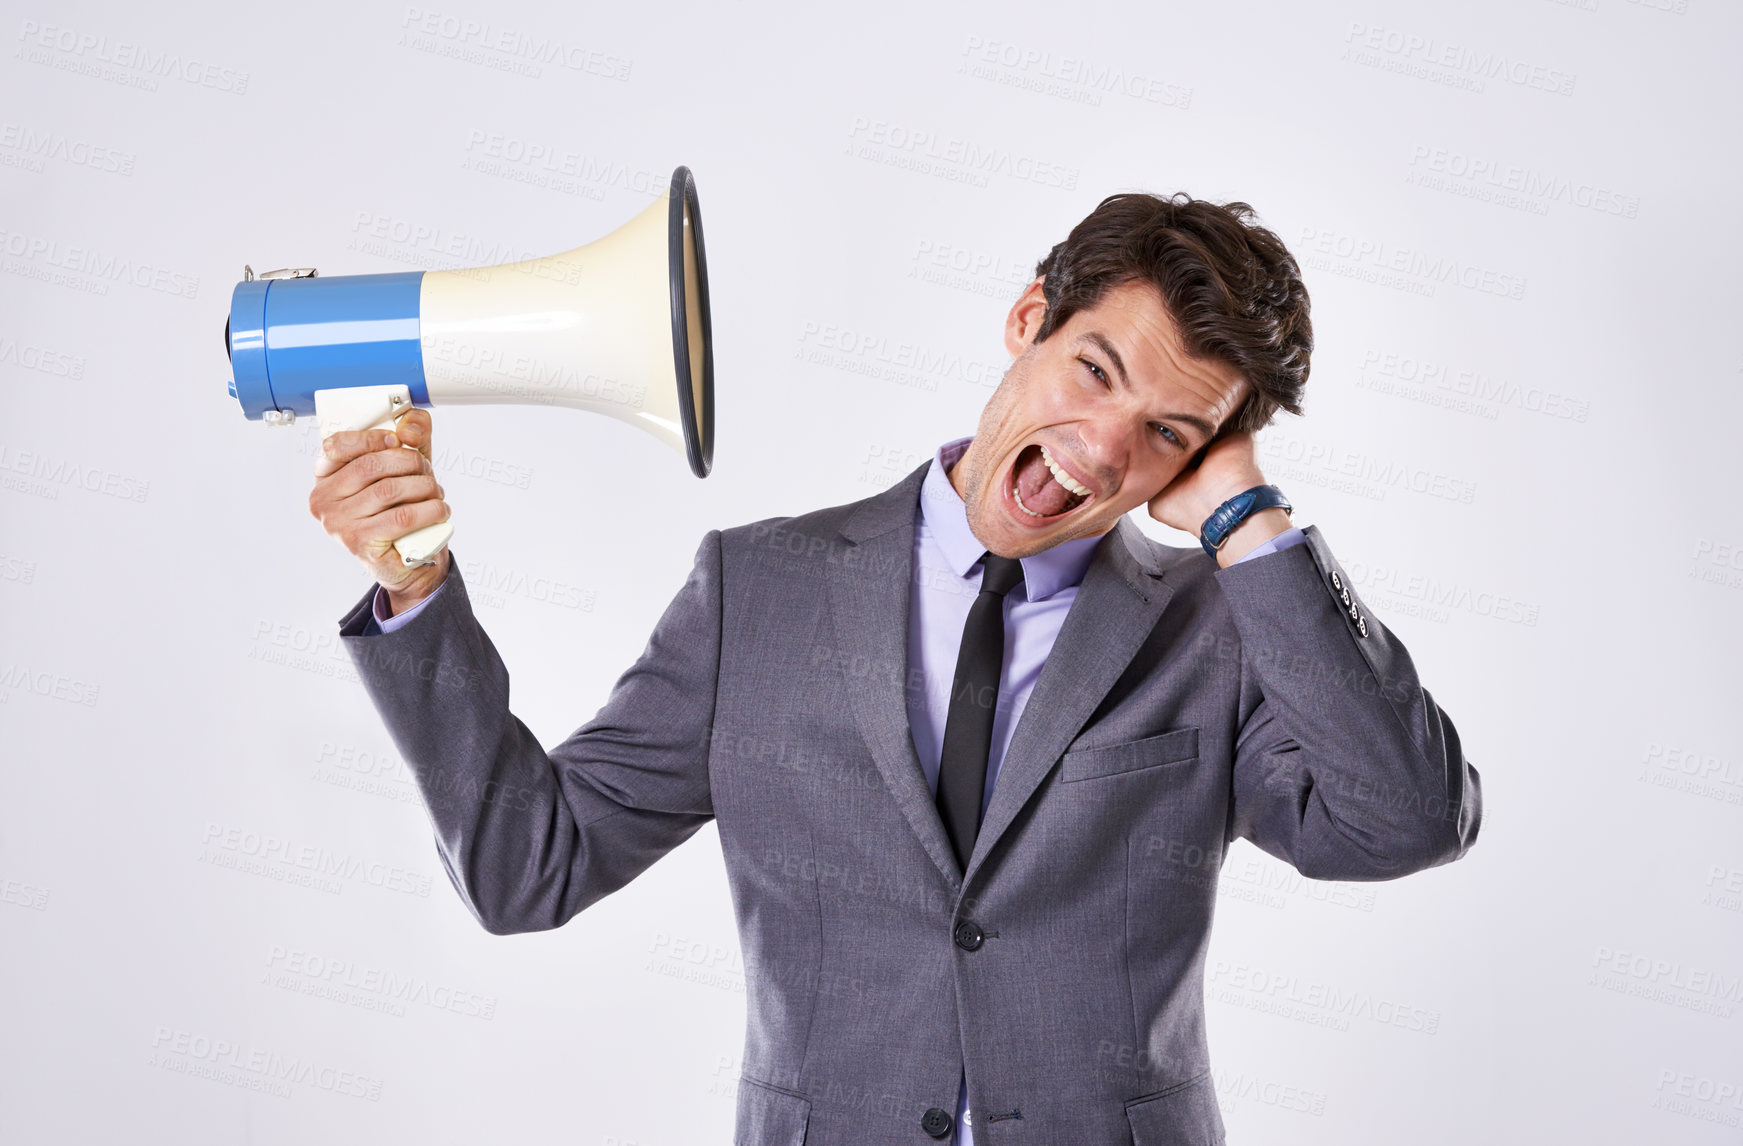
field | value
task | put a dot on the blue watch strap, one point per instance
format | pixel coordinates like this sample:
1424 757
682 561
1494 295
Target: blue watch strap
1221 523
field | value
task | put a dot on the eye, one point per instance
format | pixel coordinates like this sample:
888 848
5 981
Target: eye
1097 370
1169 434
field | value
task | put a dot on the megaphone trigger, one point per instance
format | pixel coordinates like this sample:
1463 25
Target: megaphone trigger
380 408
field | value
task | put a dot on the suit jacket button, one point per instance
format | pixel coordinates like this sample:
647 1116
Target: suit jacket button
969 935
936 1122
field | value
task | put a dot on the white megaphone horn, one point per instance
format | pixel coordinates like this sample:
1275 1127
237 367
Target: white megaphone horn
619 326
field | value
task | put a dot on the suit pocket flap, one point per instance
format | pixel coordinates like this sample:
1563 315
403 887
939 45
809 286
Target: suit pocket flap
1167 748
1183 1115
768 1116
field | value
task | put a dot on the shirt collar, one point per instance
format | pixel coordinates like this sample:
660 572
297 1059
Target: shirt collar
946 517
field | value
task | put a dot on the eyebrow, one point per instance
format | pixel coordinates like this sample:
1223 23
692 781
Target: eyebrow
1102 344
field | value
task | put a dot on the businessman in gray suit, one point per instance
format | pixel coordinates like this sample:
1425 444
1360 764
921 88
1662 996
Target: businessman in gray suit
976 746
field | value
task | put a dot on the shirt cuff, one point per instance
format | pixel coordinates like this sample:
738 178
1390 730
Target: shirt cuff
1281 542
388 623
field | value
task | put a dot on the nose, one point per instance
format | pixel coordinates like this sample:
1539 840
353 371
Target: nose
1106 440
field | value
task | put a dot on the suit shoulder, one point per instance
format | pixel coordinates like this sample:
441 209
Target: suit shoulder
795 533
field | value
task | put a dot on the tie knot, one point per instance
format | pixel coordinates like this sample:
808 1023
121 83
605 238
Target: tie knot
1002 574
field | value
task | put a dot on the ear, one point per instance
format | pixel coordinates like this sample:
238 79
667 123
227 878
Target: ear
1025 318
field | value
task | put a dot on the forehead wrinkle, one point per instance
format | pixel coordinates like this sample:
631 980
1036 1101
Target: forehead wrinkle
1193 372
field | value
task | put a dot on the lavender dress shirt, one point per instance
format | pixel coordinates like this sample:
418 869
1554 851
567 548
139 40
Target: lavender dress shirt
947 574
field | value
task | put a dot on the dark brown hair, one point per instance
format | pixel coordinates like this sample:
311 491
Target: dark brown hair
1233 290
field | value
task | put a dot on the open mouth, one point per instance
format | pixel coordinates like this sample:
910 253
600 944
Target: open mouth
1042 489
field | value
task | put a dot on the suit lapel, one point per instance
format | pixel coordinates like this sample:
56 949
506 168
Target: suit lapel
868 595
1117 606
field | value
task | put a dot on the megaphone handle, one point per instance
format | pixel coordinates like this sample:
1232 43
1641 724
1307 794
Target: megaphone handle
380 408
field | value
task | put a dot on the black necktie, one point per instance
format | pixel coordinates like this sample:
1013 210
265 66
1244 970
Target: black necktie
974 696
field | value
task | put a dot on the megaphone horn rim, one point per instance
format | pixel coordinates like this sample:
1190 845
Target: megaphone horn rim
698 424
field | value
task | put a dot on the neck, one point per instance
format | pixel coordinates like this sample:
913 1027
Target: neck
958 474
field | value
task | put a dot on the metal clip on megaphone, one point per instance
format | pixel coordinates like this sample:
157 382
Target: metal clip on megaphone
619 326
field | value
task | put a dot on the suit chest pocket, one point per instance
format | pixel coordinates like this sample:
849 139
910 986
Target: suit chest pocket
1175 747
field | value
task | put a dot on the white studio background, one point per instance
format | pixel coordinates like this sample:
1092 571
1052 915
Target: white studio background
1518 223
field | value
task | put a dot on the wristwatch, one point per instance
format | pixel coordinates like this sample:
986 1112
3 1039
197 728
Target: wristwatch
1220 524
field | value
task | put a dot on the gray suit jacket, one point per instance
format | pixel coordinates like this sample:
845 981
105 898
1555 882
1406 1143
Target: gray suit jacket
1182 707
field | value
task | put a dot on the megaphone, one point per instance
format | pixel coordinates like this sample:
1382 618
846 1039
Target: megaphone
618 326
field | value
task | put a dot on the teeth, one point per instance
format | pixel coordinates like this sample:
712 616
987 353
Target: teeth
1060 476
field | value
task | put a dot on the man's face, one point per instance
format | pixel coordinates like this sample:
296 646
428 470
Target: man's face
1109 399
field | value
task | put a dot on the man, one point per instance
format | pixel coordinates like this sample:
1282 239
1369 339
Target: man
975 746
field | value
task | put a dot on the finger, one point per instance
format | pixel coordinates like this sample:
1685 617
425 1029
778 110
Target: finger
372 537
414 428
366 469
339 448
389 491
